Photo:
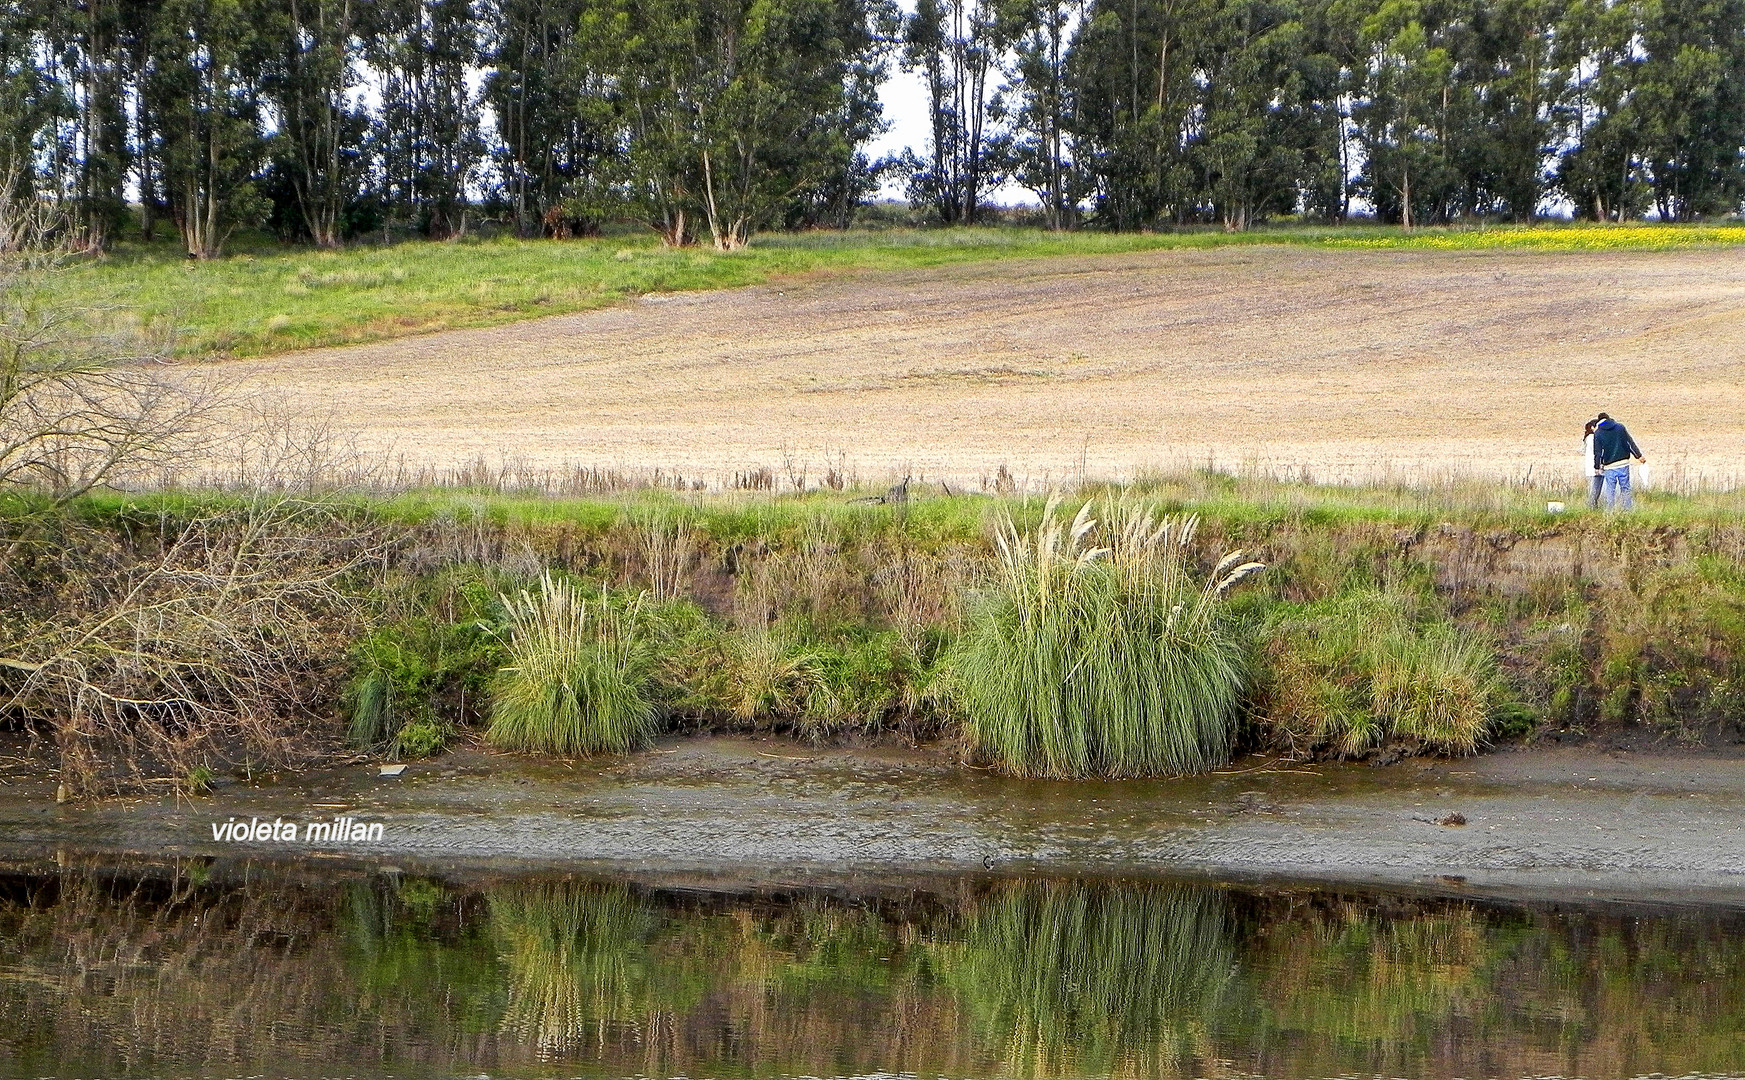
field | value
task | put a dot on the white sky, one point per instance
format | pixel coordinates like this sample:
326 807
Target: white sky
904 96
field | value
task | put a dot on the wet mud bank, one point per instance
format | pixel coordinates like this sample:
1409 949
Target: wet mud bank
1576 824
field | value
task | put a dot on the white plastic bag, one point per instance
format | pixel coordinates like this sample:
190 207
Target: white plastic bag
1639 482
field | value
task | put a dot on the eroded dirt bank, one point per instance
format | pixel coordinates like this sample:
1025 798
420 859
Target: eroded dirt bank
1581 824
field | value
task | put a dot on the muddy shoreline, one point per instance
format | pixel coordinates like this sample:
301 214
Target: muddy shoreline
1571 824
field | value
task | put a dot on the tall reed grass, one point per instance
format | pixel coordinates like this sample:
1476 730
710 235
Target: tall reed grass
580 673
1082 660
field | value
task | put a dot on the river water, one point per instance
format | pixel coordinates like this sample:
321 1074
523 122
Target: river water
244 969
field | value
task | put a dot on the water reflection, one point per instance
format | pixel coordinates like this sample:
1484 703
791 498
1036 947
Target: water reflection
1065 978
232 970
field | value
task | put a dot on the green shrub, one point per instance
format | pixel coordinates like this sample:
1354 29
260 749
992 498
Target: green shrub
1351 673
391 688
864 680
1101 661
415 681
421 737
580 673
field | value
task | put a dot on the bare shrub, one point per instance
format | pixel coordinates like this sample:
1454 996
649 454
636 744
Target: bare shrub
203 640
85 400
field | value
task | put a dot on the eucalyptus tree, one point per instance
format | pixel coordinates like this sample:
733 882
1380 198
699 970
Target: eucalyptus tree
552 121
1138 99
1307 120
1264 135
1600 168
1402 116
1689 99
958 47
28 98
311 83
1042 157
848 176
86 40
730 110
426 135
203 87
1518 81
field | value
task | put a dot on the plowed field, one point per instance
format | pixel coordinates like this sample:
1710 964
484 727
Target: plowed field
1338 364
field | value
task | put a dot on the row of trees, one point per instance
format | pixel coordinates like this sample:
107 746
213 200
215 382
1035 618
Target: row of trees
325 118
1147 112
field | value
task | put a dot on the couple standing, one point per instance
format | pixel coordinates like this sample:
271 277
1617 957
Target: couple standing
1610 452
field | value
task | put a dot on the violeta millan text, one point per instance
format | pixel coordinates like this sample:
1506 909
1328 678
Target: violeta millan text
341 830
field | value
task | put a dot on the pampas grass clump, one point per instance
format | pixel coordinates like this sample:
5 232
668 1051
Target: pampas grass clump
1082 660
579 677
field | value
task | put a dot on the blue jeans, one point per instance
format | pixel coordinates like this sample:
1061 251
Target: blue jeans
1618 488
1595 482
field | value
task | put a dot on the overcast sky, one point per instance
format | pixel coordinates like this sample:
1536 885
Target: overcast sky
904 96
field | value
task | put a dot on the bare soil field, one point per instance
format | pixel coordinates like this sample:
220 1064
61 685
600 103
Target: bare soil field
1341 365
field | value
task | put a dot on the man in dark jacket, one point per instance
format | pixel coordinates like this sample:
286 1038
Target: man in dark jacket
1614 450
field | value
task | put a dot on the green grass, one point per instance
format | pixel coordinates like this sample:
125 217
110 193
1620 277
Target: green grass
579 674
1372 666
1100 661
272 299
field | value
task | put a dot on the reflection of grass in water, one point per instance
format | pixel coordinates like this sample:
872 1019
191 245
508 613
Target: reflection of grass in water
110 975
413 959
1386 988
1067 977
577 957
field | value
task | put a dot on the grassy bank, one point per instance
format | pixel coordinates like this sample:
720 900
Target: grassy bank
1386 622
269 298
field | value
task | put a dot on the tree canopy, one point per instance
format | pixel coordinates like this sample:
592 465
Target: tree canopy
713 119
